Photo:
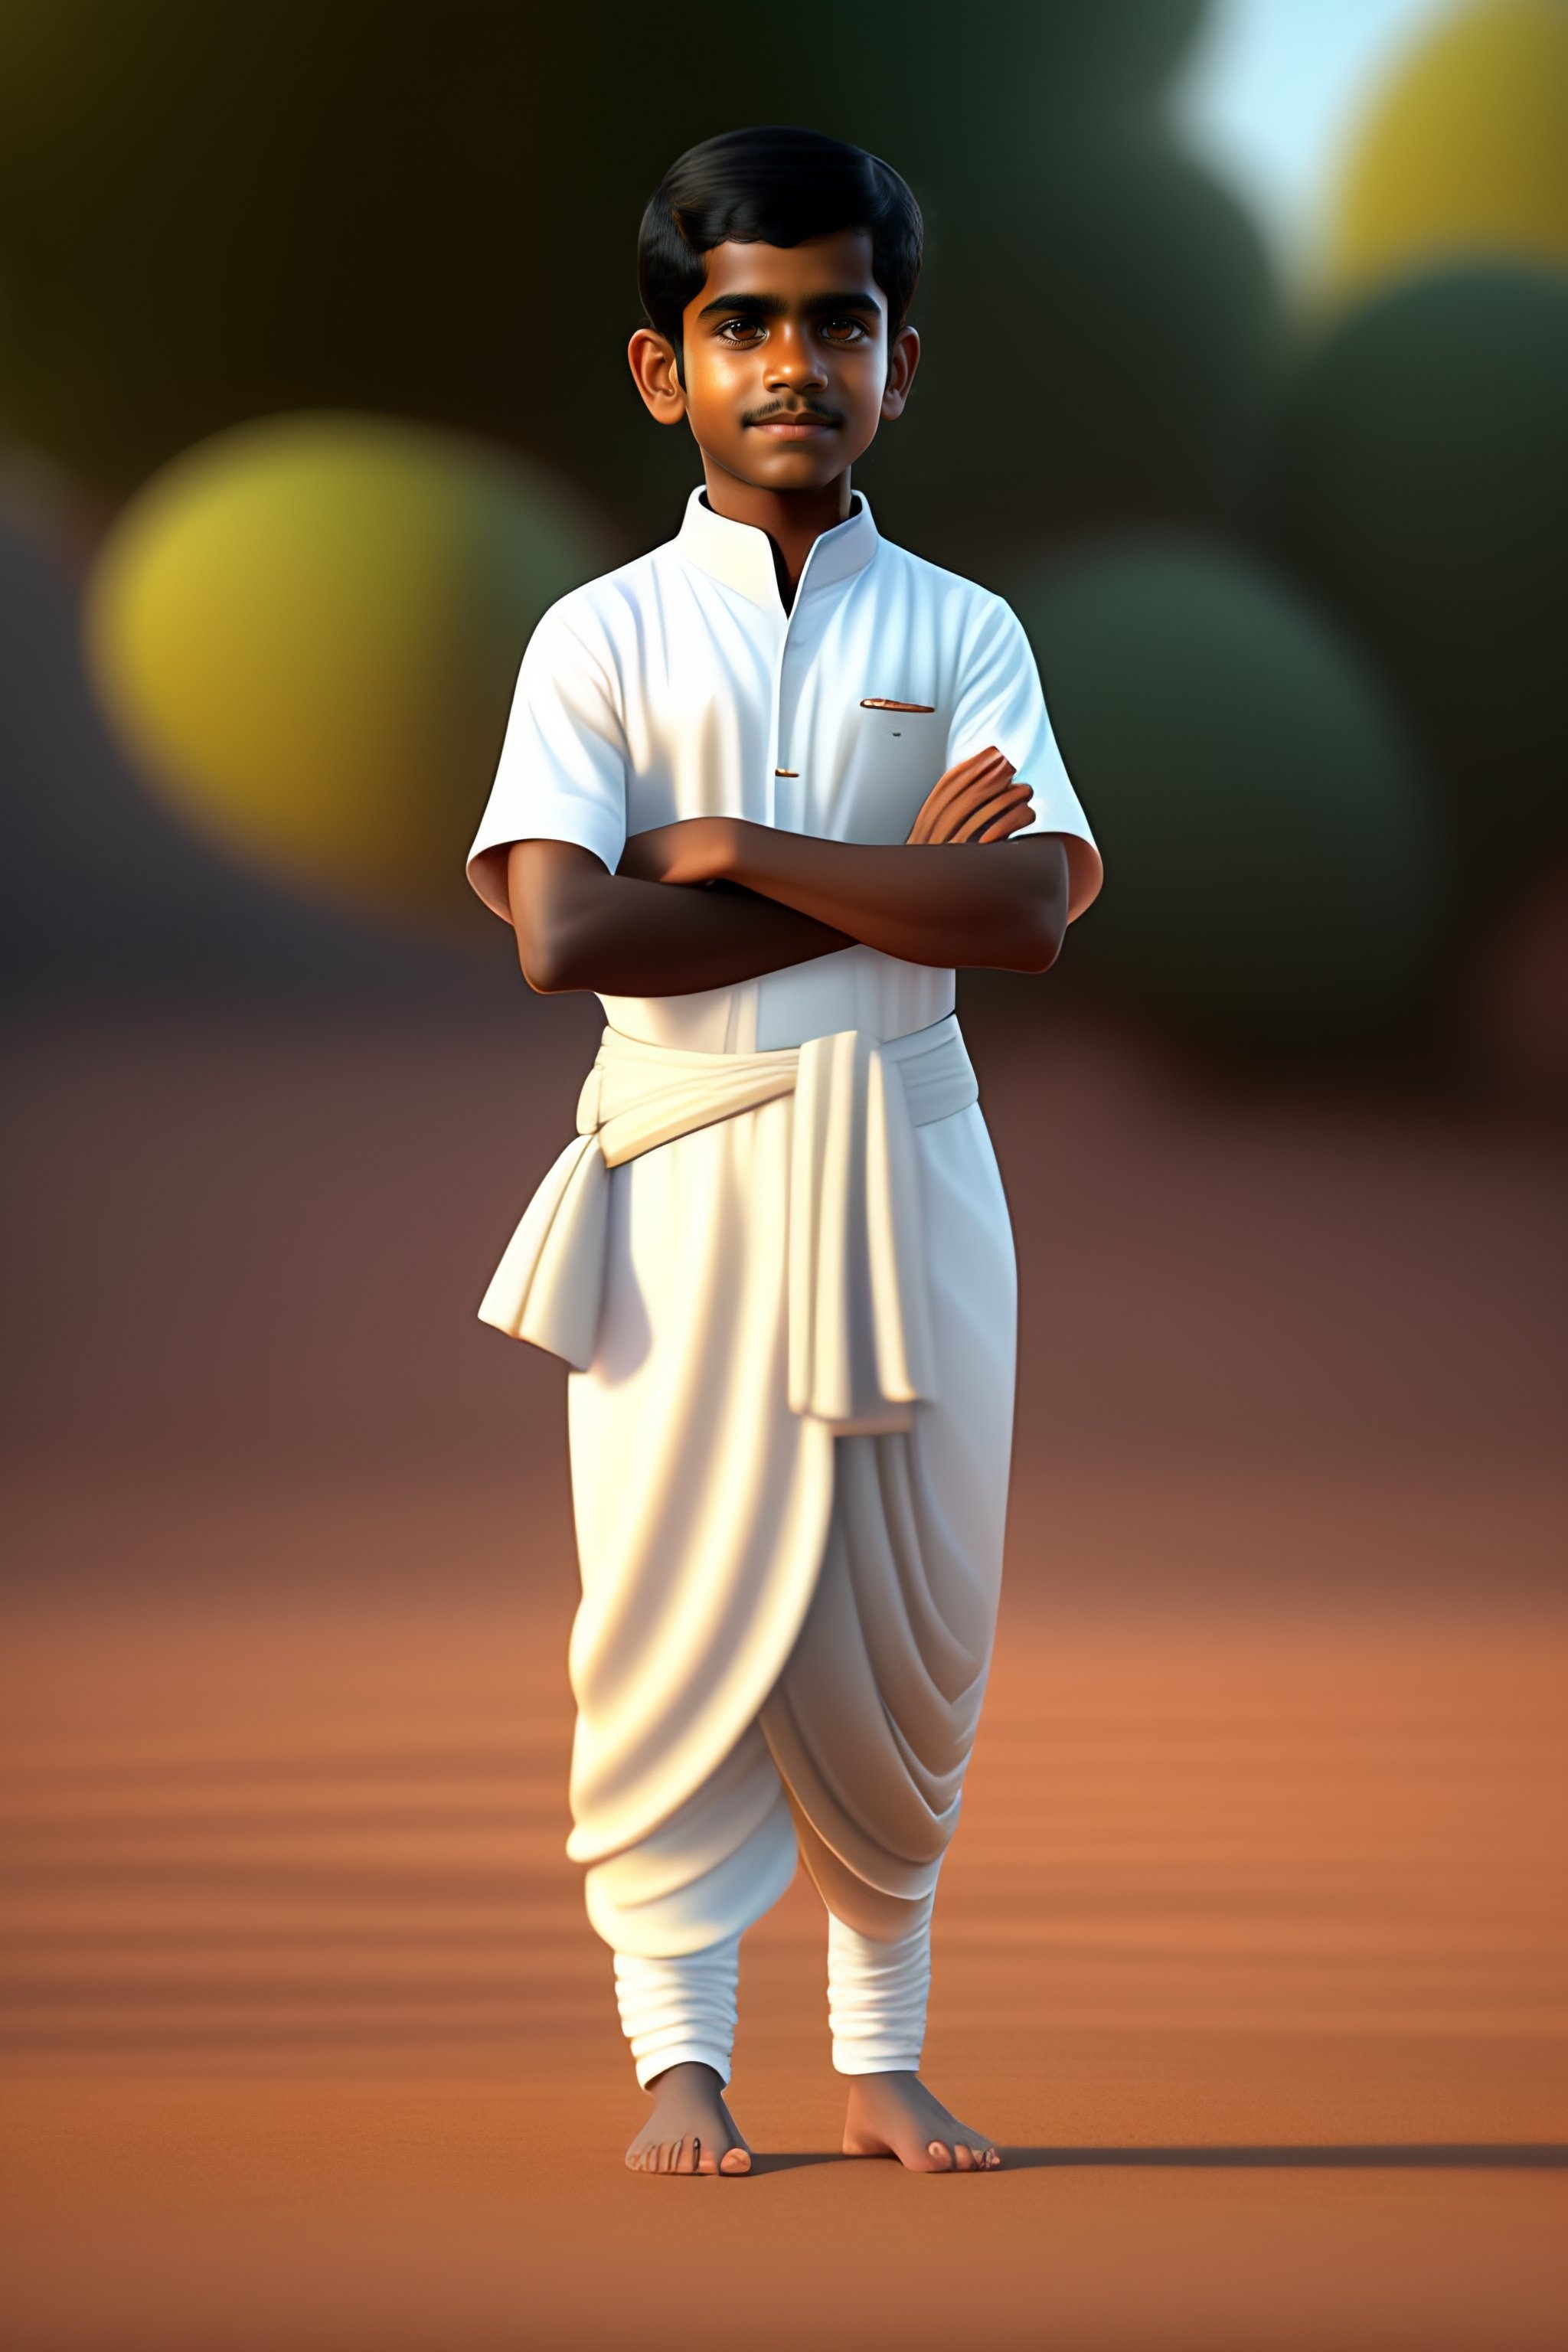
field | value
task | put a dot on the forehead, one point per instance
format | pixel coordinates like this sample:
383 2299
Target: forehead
839 263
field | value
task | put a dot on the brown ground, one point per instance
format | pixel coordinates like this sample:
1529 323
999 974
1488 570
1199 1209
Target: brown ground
1252 1948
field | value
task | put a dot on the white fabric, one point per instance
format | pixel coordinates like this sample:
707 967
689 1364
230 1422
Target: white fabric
710 1872
859 1336
876 1997
682 2010
740 1561
679 686
824 1580
679 2012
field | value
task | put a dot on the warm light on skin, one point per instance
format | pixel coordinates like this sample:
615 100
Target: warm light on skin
790 368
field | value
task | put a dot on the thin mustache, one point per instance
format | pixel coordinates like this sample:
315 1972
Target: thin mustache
796 417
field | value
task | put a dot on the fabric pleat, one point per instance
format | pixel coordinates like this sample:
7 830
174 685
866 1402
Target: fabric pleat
785 1621
873 1717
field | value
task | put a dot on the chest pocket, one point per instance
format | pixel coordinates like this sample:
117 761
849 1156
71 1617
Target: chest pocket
893 755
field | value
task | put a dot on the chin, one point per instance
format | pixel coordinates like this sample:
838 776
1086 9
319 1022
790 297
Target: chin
795 469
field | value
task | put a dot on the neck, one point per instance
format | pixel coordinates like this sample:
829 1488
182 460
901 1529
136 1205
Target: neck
793 519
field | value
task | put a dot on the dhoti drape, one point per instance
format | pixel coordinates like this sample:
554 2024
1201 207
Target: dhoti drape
784 1282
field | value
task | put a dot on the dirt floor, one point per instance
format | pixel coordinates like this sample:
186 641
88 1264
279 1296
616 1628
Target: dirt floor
1253 1946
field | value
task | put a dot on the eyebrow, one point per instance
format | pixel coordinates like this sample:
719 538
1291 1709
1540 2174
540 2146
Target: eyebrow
774 306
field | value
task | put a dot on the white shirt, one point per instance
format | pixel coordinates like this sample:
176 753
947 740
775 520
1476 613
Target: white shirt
679 686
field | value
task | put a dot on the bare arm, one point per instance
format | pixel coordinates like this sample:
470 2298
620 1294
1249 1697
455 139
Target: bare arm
628 934
935 904
943 907
579 926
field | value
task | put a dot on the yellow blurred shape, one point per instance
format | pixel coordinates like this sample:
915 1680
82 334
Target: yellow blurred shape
306 631
1465 152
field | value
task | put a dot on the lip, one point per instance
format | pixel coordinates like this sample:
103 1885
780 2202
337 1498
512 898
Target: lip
794 429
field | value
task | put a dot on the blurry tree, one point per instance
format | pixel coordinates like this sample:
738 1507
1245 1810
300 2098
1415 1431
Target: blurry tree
1272 866
1464 154
210 214
1102 346
306 630
1421 484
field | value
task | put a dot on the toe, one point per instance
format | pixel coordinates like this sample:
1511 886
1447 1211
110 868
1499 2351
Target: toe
735 2160
941 2155
962 2157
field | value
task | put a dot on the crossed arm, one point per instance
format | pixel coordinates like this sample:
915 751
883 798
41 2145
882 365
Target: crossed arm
751 900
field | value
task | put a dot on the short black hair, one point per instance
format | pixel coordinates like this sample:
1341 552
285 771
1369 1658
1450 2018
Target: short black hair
772 185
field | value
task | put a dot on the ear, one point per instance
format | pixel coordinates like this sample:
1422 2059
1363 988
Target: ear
653 365
902 362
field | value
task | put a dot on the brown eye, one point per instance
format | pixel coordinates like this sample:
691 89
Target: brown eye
844 330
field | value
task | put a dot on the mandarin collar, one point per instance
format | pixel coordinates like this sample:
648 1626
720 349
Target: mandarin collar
742 557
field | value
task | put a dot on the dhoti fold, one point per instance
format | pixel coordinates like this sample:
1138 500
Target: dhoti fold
785 1283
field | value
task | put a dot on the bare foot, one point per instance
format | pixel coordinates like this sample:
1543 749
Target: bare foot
689 2129
895 2114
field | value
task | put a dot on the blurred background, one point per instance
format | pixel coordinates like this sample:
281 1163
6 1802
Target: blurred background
1245 378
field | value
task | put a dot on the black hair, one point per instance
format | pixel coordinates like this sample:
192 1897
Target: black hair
772 185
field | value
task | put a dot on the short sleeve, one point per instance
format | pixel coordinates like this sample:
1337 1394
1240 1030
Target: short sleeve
1000 701
563 770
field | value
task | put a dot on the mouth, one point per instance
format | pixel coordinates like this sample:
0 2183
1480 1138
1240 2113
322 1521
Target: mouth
796 427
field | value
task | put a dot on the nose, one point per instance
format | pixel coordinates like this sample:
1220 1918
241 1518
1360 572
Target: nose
795 359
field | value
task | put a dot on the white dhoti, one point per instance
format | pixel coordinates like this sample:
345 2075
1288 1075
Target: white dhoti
785 1283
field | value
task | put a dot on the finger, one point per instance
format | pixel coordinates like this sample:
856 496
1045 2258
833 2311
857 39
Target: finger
988 765
940 822
934 820
961 770
975 795
973 823
1017 820
1017 808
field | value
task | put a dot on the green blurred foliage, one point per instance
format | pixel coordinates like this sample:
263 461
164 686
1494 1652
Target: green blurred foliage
1420 483
210 213
1101 348
213 214
1272 872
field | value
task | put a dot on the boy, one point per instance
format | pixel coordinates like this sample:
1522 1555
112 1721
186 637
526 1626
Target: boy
777 1257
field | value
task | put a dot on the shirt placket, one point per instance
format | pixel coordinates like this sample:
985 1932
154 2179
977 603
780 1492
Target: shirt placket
797 650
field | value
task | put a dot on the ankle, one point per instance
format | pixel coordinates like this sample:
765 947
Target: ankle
687 2074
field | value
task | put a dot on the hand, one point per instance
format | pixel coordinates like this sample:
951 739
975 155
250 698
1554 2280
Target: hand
693 850
977 801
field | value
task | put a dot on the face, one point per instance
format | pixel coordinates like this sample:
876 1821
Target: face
788 362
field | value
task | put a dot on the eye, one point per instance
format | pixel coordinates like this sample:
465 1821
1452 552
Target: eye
845 330
742 330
